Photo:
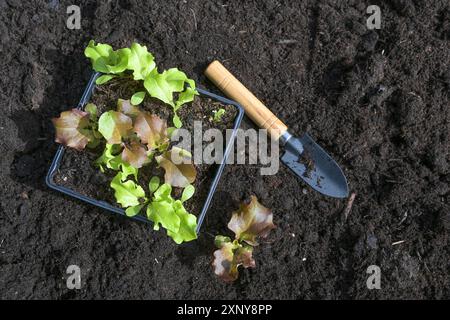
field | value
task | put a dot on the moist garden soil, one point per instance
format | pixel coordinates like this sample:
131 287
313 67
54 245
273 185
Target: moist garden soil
79 173
376 100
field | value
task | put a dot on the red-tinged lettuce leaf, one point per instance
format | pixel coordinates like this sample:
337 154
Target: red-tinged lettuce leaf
114 126
229 257
152 130
72 129
244 257
252 220
127 108
135 154
223 264
178 167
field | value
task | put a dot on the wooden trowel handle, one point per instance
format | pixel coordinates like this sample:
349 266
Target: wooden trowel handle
254 108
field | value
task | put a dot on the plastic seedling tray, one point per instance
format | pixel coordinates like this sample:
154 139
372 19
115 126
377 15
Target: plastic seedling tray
112 209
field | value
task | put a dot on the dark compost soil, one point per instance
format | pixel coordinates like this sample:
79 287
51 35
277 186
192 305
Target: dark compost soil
377 100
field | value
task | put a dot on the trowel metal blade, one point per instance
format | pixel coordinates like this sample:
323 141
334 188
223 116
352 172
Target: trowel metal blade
311 163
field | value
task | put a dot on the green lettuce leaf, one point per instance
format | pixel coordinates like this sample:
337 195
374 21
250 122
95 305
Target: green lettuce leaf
170 213
92 110
176 121
140 61
104 79
163 193
163 85
132 211
112 159
185 97
153 185
137 98
163 213
158 87
98 51
118 61
108 158
127 193
188 192
114 125
161 210
188 225
128 170
105 60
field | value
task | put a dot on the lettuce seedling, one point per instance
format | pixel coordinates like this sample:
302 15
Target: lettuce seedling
139 133
141 63
152 131
105 60
171 214
218 114
178 167
112 159
163 210
164 85
127 192
75 128
251 221
115 126
229 257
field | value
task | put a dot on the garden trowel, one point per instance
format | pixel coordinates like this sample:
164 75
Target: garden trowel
302 155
